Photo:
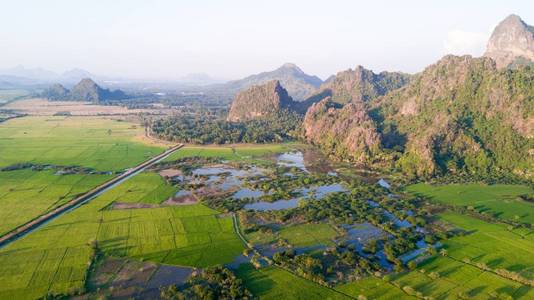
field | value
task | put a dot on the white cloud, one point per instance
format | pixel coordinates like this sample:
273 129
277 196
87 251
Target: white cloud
460 42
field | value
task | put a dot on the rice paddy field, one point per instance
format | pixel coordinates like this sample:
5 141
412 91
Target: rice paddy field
373 288
27 194
246 153
499 200
276 283
55 258
459 273
91 142
308 234
104 145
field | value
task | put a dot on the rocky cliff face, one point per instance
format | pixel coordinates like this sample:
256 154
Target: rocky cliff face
297 83
359 85
344 131
460 114
259 101
85 90
512 41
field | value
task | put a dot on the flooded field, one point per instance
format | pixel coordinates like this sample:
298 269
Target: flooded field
291 180
314 192
244 182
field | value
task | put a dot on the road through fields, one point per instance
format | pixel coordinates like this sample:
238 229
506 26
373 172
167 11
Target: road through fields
88 196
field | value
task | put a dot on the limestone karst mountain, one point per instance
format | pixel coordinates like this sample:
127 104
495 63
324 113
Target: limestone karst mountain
512 42
85 90
297 83
359 85
460 114
258 101
57 92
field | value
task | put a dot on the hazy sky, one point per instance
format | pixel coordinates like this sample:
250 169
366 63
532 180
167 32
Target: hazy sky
232 39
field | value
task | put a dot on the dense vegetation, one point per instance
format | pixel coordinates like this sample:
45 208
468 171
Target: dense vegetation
459 116
280 127
209 284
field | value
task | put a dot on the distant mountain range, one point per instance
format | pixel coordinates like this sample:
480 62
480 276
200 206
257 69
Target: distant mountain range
298 84
85 90
39 75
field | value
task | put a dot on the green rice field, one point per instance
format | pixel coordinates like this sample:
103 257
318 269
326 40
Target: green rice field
92 142
247 153
276 283
27 194
499 200
54 259
308 234
486 243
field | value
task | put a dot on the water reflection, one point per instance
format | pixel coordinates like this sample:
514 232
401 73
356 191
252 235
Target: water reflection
315 192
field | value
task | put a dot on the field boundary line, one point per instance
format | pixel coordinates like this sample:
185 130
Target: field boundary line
28 227
492 271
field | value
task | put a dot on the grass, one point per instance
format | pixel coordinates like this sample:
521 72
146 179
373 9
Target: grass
499 200
27 194
148 188
305 235
276 283
245 153
457 278
486 243
93 142
55 257
492 244
102 144
302 235
373 288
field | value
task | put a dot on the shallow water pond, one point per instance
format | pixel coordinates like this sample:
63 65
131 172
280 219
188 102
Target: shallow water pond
292 159
248 193
317 192
225 177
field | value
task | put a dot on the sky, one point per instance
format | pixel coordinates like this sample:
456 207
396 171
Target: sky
231 39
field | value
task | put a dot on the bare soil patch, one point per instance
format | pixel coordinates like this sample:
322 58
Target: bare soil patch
182 200
170 173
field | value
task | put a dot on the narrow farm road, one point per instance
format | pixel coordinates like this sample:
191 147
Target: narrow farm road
86 197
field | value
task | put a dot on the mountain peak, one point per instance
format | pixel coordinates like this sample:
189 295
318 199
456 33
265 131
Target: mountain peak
259 101
87 80
511 41
290 66
298 84
88 90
